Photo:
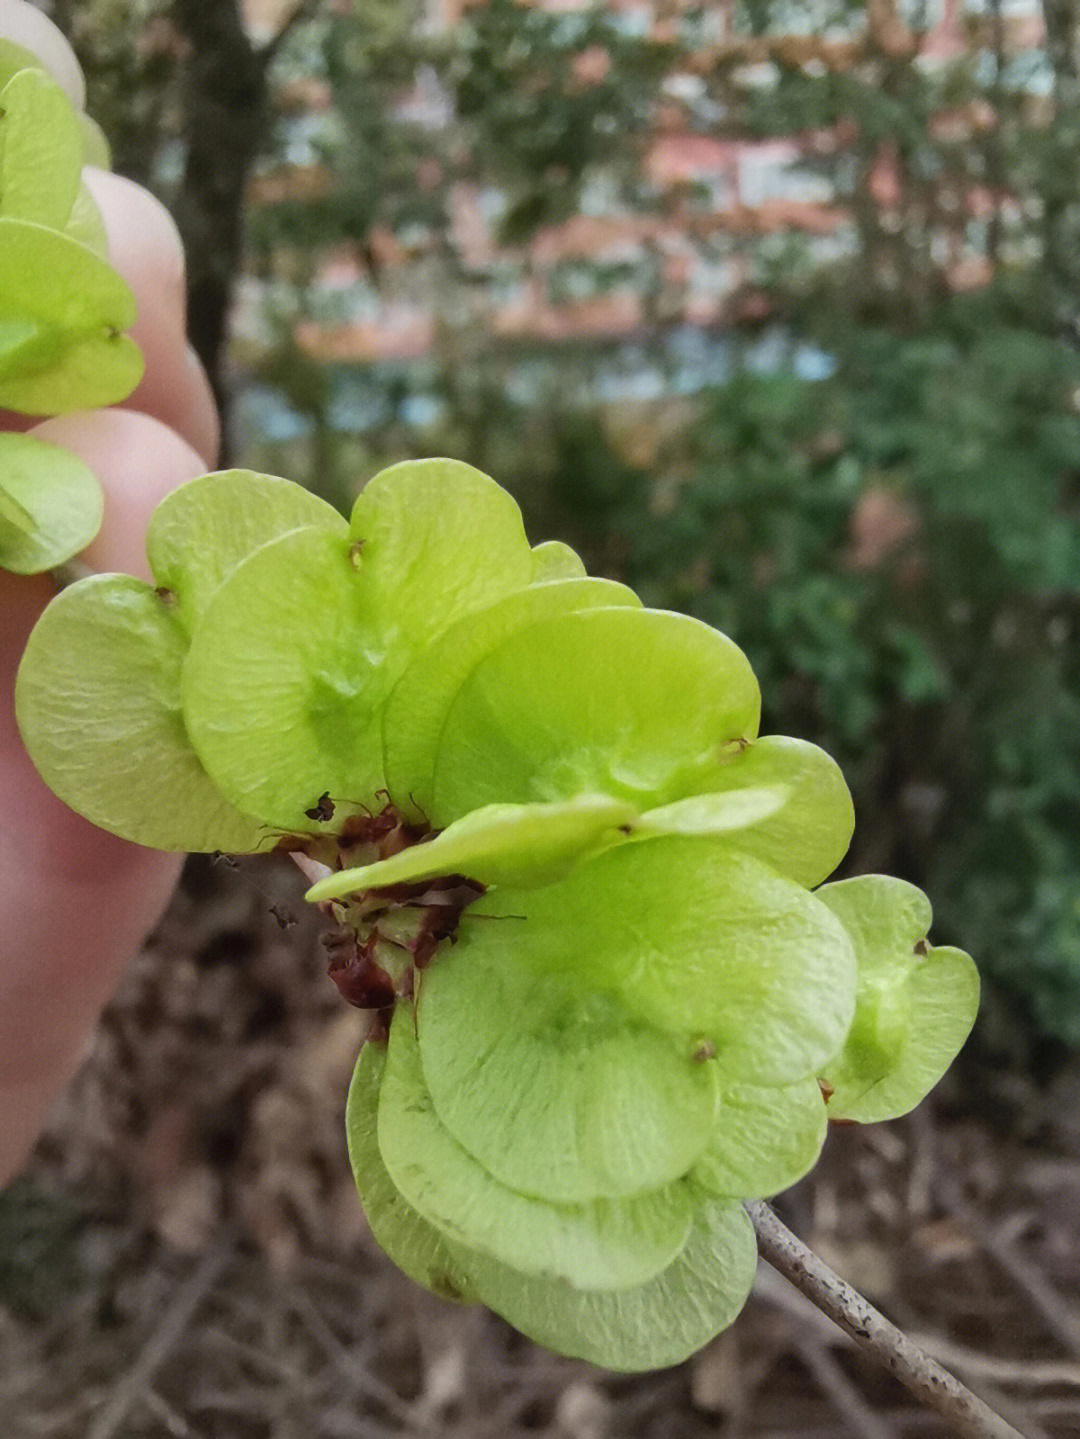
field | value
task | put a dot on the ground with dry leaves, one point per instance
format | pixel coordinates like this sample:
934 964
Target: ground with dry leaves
187 1260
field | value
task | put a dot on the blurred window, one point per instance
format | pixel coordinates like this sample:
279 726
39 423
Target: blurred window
705 25
830 18
765 177
1013 9
921 14
635 22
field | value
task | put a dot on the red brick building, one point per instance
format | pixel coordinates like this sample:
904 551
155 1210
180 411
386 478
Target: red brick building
724 203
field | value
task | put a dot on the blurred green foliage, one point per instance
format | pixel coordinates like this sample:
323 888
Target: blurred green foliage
40 1263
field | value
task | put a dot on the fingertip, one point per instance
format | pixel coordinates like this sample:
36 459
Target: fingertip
28 27
146 248
144 242
174 388
138 460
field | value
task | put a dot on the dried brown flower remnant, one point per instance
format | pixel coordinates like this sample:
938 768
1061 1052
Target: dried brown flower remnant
361 981
322 809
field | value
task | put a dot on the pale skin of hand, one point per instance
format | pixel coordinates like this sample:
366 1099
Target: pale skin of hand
75 902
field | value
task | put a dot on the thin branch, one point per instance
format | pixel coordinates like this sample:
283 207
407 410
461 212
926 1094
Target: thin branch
302 12
845 1306
175 1424
838 1388
1053 1308
1024 1373
352 1370
163 1339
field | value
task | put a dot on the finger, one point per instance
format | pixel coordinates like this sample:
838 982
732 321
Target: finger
71 917
139 461
174 388
28 27
144 242
144 245
74 902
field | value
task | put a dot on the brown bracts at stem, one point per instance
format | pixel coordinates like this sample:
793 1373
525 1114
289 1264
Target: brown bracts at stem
430 909
353 969
412 918
361 838
389 831
440 907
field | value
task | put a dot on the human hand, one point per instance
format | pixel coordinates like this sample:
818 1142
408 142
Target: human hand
75 901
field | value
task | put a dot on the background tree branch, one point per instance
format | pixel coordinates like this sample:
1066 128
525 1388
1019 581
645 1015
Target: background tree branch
845 1306
225 124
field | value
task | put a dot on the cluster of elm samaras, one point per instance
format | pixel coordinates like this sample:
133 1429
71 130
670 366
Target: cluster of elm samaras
587 903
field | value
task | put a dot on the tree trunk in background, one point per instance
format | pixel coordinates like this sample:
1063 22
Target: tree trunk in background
225 116
1060 21
62 13
1061 230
